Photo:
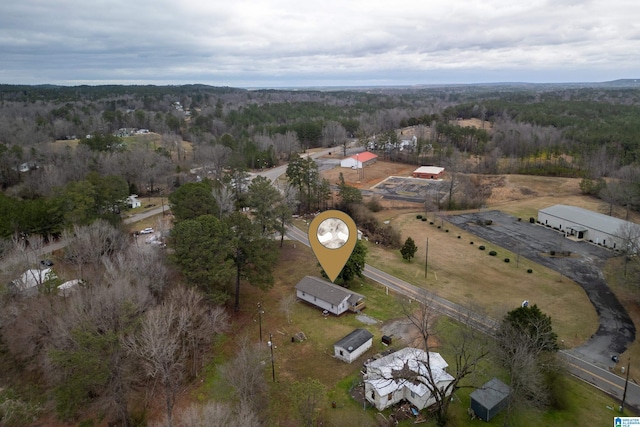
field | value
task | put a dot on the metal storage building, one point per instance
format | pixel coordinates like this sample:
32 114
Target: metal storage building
489 399
584 224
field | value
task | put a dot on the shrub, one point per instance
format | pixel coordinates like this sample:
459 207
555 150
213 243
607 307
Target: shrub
446 231
418 216
459 237
488 222
424 219
374 205
532 220
471 243
552 253
481 247
430 222
439 227
493 253
529 271
506 260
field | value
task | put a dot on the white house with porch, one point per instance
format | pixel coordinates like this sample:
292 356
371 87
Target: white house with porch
403 375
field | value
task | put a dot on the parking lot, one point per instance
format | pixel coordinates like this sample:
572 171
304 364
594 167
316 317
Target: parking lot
584 266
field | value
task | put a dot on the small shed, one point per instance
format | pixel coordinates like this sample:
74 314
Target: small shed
353 345
428 172
490 399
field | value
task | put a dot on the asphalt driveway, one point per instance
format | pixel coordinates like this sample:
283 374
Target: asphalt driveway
584 266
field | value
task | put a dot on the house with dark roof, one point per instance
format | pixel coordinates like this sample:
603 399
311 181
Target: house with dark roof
583 224
327 296
353 345
489 399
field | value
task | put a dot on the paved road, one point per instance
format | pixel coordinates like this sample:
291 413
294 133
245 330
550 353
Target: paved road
584 370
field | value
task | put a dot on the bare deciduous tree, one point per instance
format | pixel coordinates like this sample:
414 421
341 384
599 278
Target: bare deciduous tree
88 244
216 414
168 336
469 346
245 375
286 305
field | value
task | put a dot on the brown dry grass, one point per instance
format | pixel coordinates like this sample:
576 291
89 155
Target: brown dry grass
460 272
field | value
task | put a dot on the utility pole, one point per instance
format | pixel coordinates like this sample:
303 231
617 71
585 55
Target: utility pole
260 312
626 383
426 258
273 368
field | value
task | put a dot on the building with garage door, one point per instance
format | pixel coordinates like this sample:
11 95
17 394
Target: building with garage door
583 224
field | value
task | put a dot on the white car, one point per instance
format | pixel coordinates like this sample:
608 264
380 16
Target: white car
147 230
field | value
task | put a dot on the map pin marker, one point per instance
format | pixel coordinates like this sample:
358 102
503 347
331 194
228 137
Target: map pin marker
333 235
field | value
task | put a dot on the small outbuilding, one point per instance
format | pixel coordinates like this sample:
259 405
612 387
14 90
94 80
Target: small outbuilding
327 296
133 201
428 172
353 345
490 399
358 161
31 279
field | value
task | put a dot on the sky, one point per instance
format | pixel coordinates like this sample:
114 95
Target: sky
310 43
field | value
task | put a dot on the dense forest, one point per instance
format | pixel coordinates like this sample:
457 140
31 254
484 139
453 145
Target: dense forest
70 157
70 143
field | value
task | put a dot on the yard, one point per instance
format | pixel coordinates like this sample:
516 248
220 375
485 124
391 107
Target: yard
313 358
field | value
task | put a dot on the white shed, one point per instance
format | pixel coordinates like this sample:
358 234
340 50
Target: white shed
353 345
133 201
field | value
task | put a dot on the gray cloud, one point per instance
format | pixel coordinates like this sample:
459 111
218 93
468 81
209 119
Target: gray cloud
286 42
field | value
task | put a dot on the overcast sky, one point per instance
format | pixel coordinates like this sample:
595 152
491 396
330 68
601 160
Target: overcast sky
288 43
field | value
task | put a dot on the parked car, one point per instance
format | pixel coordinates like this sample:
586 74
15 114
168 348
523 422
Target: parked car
147 230
46 263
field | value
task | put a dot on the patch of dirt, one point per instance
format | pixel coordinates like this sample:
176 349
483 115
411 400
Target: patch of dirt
402 330
373 174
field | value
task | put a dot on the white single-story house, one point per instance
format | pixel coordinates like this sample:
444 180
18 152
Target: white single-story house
403 376
428 172
358 161
66 288
133 201
327 296
584 224
490 399
32 278
353 345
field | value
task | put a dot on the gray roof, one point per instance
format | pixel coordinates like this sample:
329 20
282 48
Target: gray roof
354 340
592 220
333 294
491 393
